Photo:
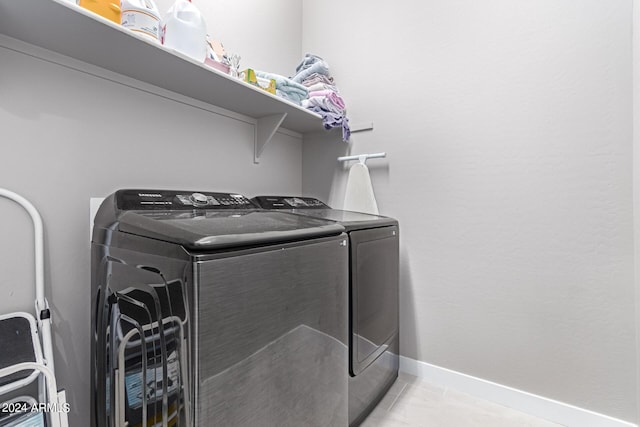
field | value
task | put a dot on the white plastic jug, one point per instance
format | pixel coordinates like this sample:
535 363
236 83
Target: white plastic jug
185 30
141 16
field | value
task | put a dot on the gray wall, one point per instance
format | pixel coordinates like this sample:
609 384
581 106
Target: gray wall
508 128
636 178
67 135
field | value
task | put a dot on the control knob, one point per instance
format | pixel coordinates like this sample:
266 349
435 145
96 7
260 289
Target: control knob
199 199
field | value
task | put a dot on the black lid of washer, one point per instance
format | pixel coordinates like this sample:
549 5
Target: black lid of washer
314 208
203 220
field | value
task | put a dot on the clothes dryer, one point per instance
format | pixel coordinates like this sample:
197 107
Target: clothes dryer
373 292
209 311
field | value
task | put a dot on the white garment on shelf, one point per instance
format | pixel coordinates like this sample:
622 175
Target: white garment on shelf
359 196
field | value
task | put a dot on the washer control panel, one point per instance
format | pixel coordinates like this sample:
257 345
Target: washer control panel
289 202
180 200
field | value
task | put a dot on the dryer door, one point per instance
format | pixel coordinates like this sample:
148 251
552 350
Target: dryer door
374 294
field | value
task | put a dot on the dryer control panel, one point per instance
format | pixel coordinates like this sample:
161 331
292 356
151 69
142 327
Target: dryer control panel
289 202
180 200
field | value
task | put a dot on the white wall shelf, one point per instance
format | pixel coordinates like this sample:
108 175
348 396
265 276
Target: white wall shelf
70 30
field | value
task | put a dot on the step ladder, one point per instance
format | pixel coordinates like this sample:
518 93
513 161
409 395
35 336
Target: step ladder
26 353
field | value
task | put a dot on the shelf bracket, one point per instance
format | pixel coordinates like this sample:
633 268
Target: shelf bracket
266 127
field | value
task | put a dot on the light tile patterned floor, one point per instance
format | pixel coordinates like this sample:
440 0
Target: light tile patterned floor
414 403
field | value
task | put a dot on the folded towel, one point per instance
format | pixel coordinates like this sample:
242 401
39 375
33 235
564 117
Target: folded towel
330 102
333 97
319 67
294 97
294 91
322 102
325 92
282 82
321 86
308 60
317 78
286 88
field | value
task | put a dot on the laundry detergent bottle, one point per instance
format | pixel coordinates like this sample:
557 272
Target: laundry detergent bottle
142 17
109 9
185 30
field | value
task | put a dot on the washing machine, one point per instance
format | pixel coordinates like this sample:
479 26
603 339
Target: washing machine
373 292
207 311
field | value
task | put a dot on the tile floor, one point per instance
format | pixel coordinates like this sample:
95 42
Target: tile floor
412 402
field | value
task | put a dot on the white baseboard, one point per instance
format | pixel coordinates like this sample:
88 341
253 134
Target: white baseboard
542 407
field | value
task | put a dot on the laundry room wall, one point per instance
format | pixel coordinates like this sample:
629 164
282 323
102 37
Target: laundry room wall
69 132
636 177
508 131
